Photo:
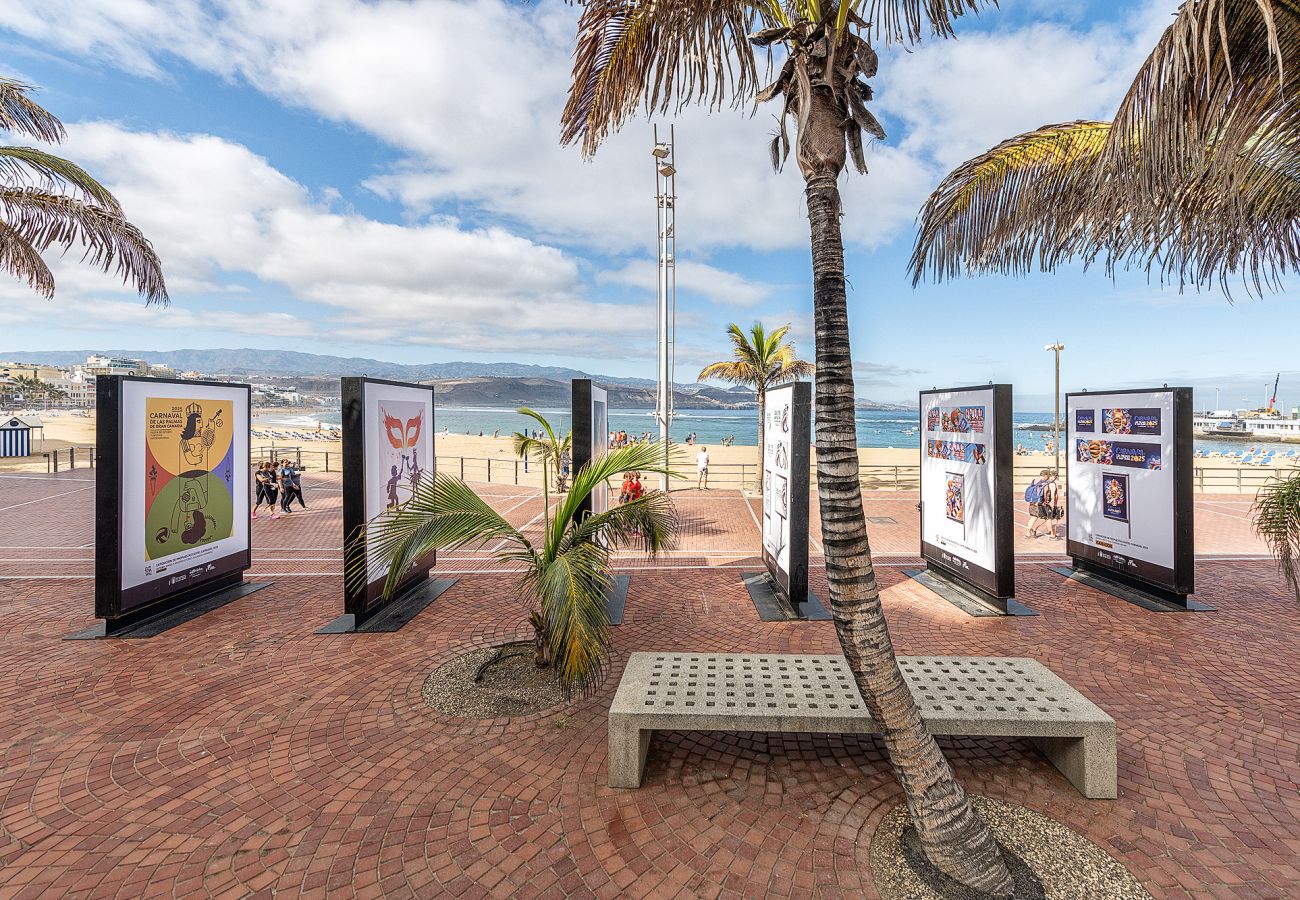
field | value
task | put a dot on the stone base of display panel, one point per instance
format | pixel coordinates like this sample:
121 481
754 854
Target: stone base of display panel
396 613
155 622
772 605
1150 599
968 600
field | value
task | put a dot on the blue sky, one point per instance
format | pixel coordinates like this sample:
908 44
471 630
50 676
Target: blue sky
384 179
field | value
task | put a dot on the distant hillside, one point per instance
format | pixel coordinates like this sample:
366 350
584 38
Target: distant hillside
291 362
459 383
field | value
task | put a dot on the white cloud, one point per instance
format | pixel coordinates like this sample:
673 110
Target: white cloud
470 93
695 279
215 210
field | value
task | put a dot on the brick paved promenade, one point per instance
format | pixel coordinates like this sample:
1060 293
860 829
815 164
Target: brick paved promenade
242 754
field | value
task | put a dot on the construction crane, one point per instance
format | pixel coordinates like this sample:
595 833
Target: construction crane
1273 400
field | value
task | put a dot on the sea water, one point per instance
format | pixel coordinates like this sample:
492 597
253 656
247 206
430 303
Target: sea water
876 427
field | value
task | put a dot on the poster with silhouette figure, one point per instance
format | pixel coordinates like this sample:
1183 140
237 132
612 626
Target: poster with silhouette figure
181 491
388 455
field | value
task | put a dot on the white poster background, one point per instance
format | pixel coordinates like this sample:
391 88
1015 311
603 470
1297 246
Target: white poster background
1151 491
132 436
381 456
778 418
974 539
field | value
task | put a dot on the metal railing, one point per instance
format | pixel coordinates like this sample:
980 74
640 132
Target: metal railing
505 469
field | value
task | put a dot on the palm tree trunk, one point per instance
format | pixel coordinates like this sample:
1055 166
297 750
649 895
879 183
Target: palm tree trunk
954 837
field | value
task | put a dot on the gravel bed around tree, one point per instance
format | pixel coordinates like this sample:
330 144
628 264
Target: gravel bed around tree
511 687
1048 860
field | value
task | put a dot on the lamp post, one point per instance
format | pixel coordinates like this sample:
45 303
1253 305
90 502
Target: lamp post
1056 400
665 203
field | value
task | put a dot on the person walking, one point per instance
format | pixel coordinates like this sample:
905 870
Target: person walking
702 469
1035 495
264 478
285 477
295 478
1053 506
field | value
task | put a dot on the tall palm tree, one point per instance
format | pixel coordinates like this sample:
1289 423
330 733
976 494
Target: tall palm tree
759 360
566 569
1196 178
660 55
47 201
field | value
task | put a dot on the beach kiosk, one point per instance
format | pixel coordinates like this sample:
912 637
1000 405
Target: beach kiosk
15 437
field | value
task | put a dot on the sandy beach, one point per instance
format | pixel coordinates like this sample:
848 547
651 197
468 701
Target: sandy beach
878 463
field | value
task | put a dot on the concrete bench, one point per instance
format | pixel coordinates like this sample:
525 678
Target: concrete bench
957 695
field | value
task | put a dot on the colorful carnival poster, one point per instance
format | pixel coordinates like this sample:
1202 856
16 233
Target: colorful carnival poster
183 493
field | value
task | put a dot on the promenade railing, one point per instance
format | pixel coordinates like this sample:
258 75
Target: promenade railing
506 469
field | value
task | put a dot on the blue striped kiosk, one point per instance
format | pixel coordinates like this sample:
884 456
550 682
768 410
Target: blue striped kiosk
15 437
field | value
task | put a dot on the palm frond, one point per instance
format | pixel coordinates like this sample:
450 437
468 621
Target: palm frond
443 513
660 55
1277 521
649 523
21 114
27 166
910 21
1012 207
634 458
570 592
730 371
762 358
108 240
20 259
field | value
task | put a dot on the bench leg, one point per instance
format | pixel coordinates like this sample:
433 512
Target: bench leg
628 746
1088 762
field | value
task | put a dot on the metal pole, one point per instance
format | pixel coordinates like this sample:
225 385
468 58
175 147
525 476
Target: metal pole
664 156
1056 348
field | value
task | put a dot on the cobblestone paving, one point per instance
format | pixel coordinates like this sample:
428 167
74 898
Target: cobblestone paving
241 754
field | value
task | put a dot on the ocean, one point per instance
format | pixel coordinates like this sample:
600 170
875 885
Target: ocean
876 427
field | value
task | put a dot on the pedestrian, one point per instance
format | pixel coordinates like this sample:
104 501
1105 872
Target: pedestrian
266 490
295 476
1052 506
285 478
625 492
635 490
1039 513
702 468
565 461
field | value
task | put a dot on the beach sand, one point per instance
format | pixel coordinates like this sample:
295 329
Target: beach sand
77 431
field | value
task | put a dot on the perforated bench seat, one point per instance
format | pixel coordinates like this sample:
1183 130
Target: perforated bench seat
775 692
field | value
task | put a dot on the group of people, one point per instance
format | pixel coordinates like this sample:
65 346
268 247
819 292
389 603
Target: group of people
277 483
631 489
623 439
1044 498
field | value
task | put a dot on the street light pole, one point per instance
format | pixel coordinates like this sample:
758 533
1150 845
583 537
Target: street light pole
1056 400
665 204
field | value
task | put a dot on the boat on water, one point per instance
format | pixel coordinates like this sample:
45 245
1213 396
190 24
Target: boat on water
1247 424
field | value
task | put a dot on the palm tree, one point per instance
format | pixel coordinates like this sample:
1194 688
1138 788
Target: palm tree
1197 176
1277 521
549 449
660 55
761 361
47 201
566 569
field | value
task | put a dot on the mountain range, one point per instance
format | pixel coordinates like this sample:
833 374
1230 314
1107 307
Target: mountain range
459 383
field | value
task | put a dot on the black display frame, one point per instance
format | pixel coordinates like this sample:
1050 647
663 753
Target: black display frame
109 593
584 393
793 584
1181 579
999 584
363 599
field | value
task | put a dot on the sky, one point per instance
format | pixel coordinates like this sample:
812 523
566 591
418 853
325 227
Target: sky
385 179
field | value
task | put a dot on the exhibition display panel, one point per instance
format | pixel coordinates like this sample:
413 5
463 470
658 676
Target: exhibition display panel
388 453
787 439
966 488
590 435
1130 487
172 494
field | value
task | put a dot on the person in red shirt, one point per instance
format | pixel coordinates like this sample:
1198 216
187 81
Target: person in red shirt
636 486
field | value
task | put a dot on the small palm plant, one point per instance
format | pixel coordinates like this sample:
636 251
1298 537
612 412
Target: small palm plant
549 449
565 569
1277 521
